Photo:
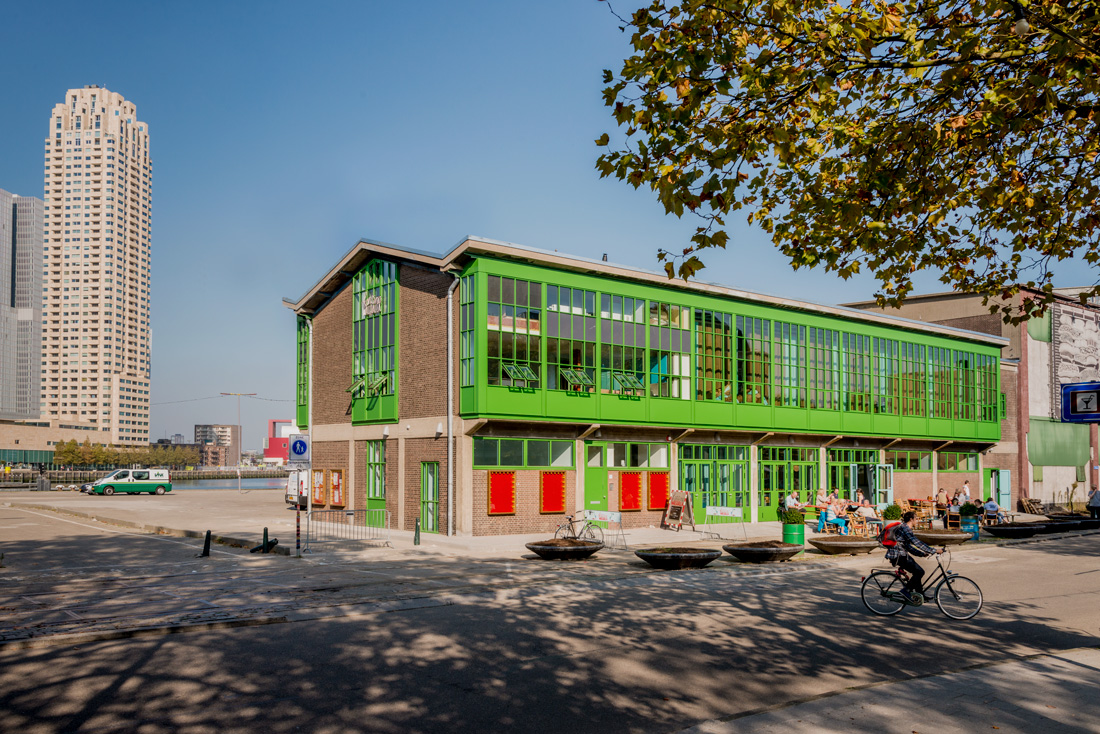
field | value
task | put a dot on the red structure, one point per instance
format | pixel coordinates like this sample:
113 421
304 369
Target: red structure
277 443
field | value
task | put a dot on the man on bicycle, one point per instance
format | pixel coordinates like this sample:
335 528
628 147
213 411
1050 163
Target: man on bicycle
900 554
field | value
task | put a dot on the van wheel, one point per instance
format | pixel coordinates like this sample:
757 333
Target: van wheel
108 490
160 490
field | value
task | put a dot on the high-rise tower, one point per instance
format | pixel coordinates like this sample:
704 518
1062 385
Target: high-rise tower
96 340
20 306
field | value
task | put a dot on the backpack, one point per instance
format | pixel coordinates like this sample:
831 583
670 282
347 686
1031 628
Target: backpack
886 535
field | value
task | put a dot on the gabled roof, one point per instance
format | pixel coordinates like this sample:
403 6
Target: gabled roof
471 247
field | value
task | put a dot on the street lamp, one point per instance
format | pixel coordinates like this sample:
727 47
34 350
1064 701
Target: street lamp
240 432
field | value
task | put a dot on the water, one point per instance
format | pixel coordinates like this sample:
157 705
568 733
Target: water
246 483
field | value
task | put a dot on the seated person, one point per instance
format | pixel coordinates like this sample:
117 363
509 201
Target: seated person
832 517
941 501
791 502
869 513
991 508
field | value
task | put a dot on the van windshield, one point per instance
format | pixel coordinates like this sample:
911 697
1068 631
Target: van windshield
121 474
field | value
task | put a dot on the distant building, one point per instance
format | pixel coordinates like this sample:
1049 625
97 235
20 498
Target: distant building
213 455
20 306
221 435
277 442
179 438
97 263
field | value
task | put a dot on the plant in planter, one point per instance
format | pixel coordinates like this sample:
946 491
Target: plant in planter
893 512
794 526
968 519
969 510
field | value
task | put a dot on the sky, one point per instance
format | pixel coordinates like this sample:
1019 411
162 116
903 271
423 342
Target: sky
283 132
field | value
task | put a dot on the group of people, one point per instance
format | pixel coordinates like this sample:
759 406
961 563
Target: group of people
833 510
951 505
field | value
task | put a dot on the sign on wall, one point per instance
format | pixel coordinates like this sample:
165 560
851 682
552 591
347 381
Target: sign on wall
298 448
336 481
319 487
1081 402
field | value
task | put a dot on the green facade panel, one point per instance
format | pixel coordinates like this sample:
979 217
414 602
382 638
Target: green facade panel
1053 443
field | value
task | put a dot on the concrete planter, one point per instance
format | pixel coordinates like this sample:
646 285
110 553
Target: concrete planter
1016 529
576 551
942 537
844 544
670 559
761 552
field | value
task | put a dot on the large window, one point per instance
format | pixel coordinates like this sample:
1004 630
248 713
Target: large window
376 470
303 371
857 373
754 360
914 386
823 368
669 350
965 395
715 369
622 344
521 453
790 365
570 339
637 455
885 376
374 333
467 344
514 328
910 461
940 376
986 372
954 461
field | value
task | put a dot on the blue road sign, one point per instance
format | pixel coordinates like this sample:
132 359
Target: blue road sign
1081 402
299 448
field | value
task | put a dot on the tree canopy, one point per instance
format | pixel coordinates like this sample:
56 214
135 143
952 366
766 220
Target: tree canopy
958 137
71 453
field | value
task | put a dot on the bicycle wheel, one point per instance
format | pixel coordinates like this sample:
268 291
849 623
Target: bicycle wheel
877 592
593 532
565 530
958 597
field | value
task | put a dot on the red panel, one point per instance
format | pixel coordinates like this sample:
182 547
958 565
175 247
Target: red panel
630 490
502 493
658 490
552 497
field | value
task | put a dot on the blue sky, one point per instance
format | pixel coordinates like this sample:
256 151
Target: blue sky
282 132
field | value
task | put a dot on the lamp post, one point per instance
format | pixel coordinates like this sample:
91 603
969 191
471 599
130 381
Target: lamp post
240 432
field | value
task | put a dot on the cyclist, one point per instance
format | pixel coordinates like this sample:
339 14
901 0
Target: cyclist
900 554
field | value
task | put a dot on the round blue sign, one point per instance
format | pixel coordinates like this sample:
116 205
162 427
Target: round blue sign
299 447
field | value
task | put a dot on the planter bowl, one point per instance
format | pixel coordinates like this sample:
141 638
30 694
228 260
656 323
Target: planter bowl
1090 524
1015 529
574 552
759 553
1058 525
942 537
670 559
834 546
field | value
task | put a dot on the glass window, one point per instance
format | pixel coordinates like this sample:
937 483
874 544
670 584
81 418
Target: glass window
376 469
754 360
514 332
511 452
467 344
374 329
486 452
790 365
669 351
715 369
538 453
561 453
571 339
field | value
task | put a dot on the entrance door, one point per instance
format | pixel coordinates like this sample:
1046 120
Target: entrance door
1003 478
773 487
429 496
595 476
714 476
882 485
842 479
804 481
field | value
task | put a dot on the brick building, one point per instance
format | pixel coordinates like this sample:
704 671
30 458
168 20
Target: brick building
537 384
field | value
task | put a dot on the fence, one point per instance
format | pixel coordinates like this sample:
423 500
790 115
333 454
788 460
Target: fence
346 527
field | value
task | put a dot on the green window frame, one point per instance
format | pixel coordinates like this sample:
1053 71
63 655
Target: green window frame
914 383
964 384
634 455
910 461
514 332
956 461
823 360
303 372
857 372
467 334
623 329
374 332
754 361
939 376
376 470
715 356
987 393
520 453
853 456
885 376
669 351
790 365
571 338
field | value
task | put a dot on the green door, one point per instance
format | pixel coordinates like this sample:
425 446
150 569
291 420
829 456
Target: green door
774 482
715 476
376 484
595 476
804 481
429 496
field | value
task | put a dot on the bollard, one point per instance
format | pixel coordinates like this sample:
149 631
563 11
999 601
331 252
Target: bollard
416 532
206 546
265 541
298 531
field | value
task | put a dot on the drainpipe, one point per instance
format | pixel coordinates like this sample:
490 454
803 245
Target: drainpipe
450 409
309 417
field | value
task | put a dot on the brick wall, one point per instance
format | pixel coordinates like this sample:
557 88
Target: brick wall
357 495
986 323
423 348
1008 387
332 361
418 450
527 518
913 485
329 455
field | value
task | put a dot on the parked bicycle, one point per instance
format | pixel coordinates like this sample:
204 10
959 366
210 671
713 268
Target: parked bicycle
582 529
957 596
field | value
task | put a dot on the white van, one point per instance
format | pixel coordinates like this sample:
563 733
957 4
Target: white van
153 481
297 489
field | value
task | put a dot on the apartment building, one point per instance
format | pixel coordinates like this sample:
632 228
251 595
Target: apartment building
495 388
221 435
20 306
97 268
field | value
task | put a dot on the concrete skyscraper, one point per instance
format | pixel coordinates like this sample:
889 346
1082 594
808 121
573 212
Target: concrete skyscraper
96 339
20 306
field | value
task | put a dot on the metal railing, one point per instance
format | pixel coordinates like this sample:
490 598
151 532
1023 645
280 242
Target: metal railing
346 527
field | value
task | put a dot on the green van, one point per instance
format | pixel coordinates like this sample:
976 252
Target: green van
153 481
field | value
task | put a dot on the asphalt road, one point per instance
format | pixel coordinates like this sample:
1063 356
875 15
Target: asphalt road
425 644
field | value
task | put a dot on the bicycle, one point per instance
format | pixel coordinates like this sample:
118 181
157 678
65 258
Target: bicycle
958 597
579 530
